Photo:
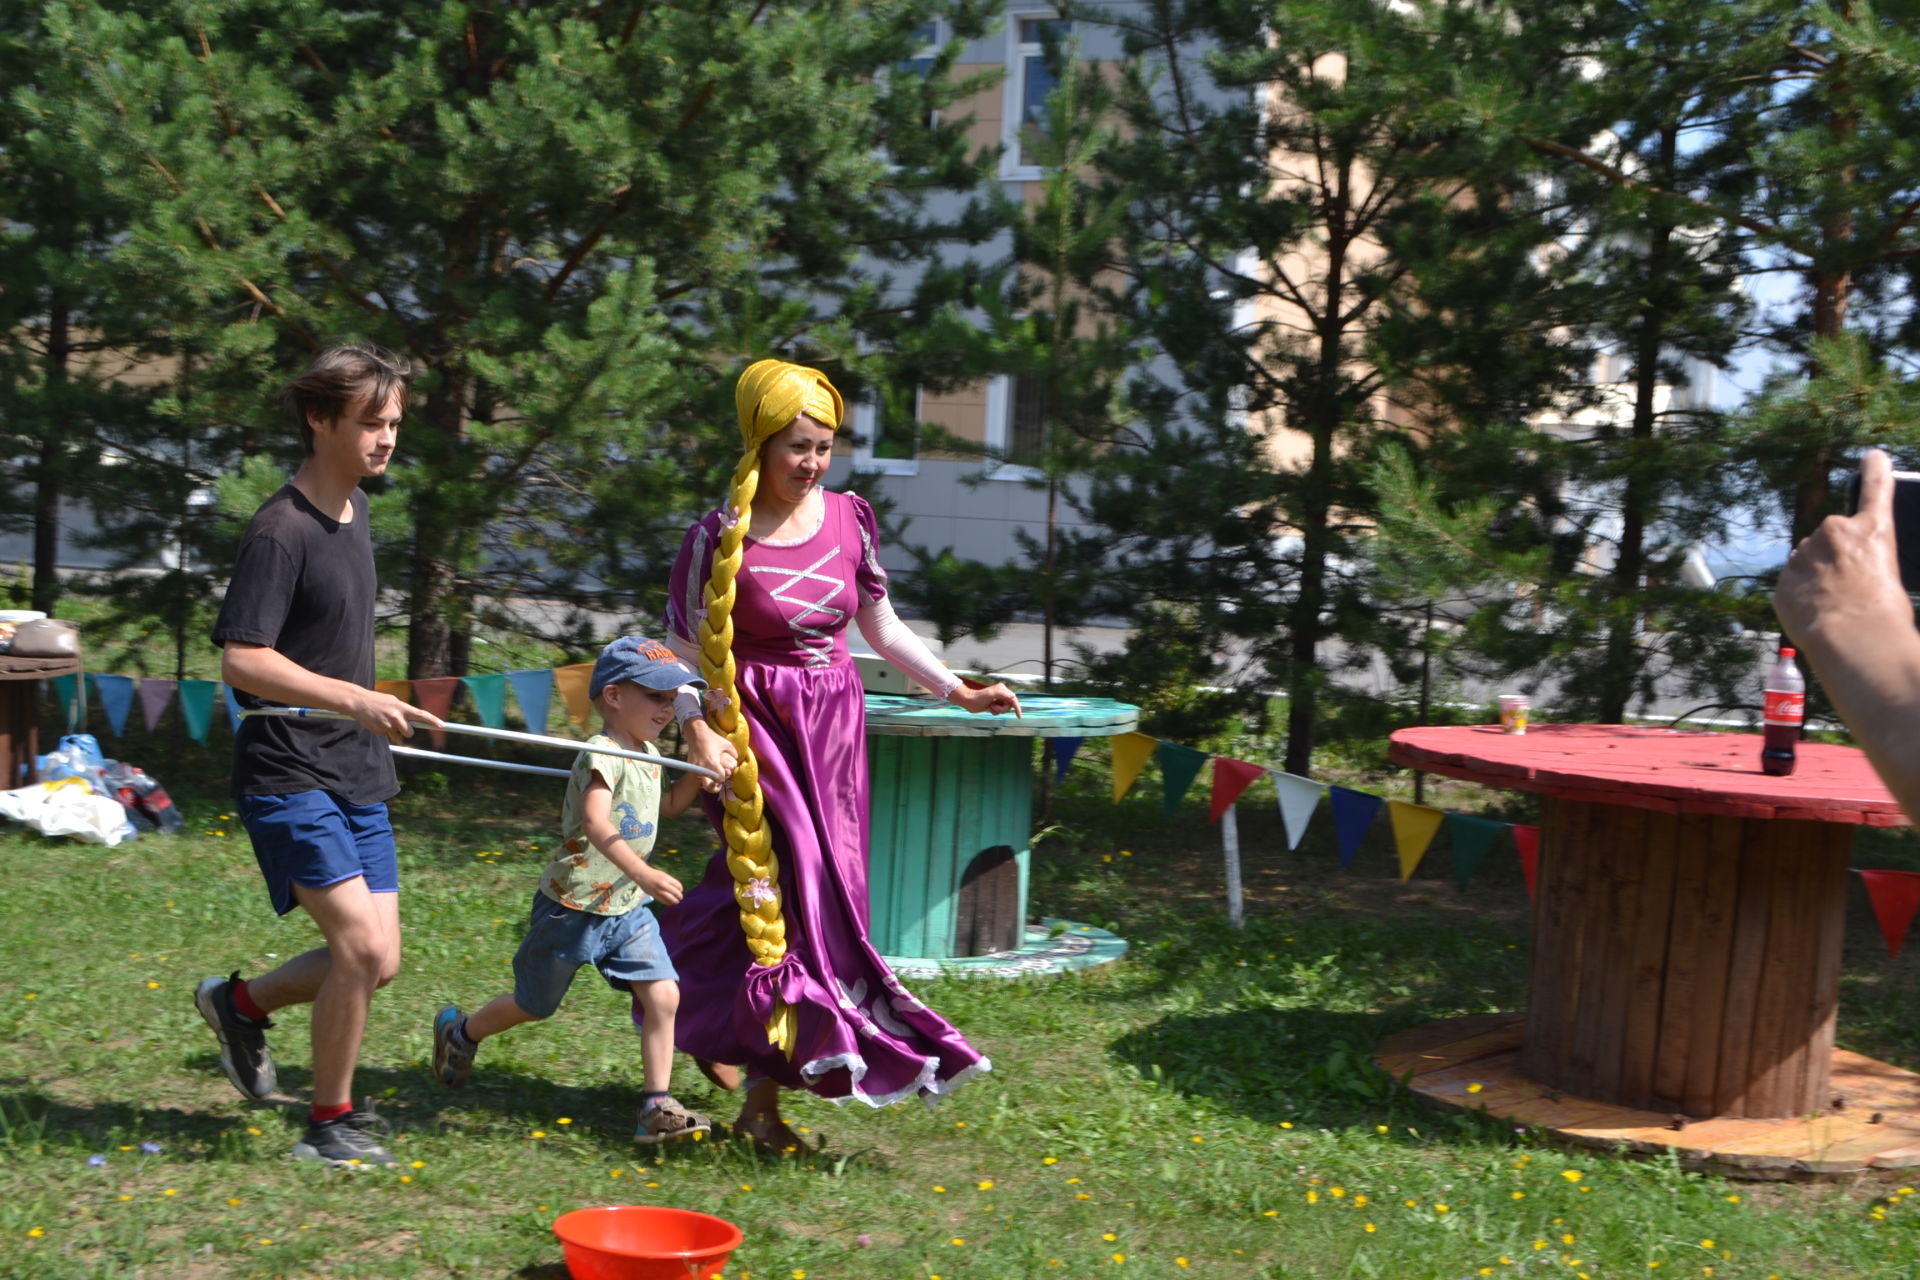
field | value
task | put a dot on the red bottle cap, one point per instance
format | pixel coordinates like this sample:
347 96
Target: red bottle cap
1786 653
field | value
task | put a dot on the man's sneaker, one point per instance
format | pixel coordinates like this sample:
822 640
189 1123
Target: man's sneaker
452 1053
243 1043
348 1142
666 1120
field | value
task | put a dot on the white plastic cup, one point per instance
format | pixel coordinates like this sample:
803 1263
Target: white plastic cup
1513 712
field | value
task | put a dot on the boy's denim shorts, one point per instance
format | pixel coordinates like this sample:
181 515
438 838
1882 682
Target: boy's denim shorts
625 949
314 838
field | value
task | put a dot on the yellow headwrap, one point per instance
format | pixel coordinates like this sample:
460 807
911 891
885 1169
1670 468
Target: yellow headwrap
772 393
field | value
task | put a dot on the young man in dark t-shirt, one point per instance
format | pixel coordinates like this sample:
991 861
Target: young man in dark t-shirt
296 629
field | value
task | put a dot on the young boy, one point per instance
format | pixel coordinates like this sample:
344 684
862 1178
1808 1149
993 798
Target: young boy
297 630
589 908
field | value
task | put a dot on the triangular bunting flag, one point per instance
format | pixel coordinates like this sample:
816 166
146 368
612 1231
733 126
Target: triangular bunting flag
401 689
116 699
65 689
1299 797
1063 751
533 690
1130 752
434 695
233 708
196 704
1895 896
574 681
1179 766
489 694
1230 779
1471 837
1527 841
154 697
1414 826
1353 813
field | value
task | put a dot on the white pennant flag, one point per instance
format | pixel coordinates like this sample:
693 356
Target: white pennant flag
1299 797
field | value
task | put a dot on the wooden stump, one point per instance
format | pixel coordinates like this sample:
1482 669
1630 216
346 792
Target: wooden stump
1686 962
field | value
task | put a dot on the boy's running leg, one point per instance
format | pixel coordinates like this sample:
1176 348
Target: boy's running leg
661 1116
362 930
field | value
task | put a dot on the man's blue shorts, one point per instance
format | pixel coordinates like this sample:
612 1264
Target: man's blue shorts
624 948
314 838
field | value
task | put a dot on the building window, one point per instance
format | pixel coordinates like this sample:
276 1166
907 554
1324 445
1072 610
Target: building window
1029 82
1017 426
920 65
888 443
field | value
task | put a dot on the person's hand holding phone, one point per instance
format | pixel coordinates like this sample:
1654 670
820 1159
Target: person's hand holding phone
1841 586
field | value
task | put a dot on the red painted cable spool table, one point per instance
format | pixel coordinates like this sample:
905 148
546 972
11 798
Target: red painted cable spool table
1685 961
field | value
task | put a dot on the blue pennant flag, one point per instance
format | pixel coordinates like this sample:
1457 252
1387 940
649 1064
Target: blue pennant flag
233 708
1062 751
116 699
1353 814
532 690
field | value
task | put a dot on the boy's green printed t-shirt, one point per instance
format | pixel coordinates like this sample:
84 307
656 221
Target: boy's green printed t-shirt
580 876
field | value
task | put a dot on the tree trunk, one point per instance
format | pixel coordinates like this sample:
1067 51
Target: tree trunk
433 573
52 462
1621 668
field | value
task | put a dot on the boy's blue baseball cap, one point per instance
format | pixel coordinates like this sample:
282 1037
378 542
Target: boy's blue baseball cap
645 662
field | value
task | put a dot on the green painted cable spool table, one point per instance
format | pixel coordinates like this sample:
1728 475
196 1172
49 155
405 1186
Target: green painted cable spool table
950 813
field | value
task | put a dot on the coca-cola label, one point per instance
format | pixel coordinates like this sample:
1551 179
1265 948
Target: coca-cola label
1784 707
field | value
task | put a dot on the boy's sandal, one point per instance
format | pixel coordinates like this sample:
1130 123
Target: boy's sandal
667 1121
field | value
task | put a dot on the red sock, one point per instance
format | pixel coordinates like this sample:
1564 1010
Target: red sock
320 1114
243 1002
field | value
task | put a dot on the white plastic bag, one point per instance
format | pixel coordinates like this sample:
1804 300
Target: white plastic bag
67 808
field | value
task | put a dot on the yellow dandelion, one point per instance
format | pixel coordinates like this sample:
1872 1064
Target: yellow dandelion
126 1197
1572 1175
746 1186
943 1189
564 1120
1519 1195
539 1133
1119 1257
264 1240
1539 1244
1411 1204
1379 1128
1360 1202
1274 1213
1313 1197
1109 1237
406 1177
957 1242
614 1173
1050 1160
1733 1199
1286 1124
1371 1228
153 986
959 1124
1706 1244
233 1200
1336 1192
798 1274
169 1192
653 1184
1475 1087
985 1184
1083 1196
1180 1263
1070 1182
36 1232
1439 1208
255 1132
1567 1238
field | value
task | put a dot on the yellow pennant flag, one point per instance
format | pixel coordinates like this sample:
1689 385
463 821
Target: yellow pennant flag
574 681
1131 751
400 689
1414 826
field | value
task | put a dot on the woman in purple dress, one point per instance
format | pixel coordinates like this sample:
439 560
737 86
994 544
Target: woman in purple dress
777 973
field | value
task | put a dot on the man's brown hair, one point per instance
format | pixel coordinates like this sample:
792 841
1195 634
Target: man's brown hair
339 377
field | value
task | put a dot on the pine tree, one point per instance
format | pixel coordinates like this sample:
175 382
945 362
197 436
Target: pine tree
576 219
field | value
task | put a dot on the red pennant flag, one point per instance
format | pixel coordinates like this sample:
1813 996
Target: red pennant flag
1527 841
1895 896
1230 778
436 696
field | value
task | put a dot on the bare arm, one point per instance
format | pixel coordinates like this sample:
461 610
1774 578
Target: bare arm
1841 600
268 673
596 820
893 640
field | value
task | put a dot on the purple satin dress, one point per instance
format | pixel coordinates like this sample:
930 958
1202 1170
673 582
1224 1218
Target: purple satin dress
859 1032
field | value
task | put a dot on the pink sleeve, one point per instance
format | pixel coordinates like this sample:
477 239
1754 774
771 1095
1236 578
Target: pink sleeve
870 578
894 641
687 583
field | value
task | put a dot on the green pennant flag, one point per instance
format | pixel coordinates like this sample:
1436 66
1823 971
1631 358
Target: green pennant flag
1471 837
1179 766
489 694
196 704
66 688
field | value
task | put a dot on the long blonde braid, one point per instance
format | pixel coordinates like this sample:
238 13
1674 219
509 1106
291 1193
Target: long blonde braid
769 396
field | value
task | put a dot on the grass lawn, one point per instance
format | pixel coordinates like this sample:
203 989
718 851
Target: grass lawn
1202 1108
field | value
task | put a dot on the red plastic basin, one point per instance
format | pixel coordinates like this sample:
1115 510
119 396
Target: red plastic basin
644 1242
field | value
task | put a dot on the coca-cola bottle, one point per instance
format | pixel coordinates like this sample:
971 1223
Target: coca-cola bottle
1786 708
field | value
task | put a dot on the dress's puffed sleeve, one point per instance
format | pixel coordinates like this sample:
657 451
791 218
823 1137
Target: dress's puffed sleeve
870 577
687 583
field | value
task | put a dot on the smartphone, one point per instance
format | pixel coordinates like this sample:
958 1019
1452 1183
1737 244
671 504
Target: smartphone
1906 526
